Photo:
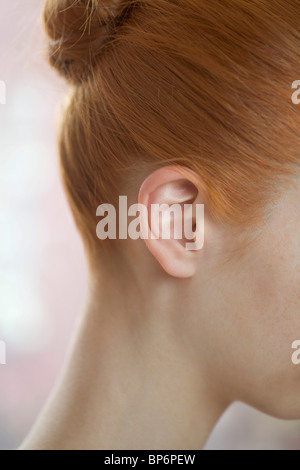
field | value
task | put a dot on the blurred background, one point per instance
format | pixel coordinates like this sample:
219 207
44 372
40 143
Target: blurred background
42 266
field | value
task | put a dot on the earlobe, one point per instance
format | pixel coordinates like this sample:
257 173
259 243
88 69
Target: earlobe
169 224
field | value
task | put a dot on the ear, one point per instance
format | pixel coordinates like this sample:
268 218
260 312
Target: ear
172 219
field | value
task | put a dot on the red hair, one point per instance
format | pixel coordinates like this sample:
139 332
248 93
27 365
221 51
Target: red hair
199 83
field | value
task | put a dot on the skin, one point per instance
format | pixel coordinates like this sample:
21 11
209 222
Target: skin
171 338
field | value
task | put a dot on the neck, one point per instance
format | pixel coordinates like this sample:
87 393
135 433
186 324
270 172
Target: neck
132 381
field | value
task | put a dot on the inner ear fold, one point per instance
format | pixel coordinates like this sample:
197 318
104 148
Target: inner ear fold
171 210
170 198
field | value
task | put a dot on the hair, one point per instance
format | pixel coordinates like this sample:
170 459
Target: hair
204 84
